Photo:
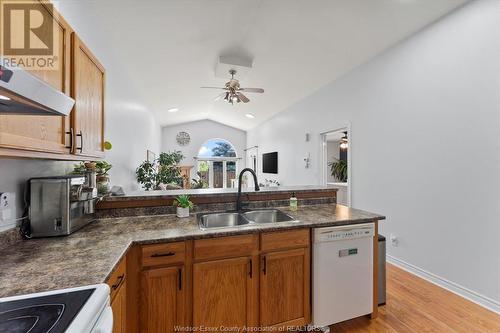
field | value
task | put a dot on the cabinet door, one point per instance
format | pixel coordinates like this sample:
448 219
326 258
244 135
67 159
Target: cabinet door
162 299
224 293
284 288
119 307
87 88
43 133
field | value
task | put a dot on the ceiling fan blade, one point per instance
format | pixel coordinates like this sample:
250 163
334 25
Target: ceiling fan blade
252 90
218 98
243 98
213 88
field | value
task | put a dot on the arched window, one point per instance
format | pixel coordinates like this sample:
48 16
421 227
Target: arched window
217 148
217 163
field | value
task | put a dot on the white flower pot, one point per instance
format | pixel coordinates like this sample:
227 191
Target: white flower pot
182 212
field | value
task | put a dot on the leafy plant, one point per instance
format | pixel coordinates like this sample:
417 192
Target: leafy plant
102 167
163 170
147 175
338 170
183 201
198 183
223 149
78 169
169 171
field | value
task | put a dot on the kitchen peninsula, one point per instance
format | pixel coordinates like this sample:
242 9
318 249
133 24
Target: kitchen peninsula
161 259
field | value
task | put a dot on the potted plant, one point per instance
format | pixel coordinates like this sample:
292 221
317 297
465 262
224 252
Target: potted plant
338 170
163 170
102 168
183 204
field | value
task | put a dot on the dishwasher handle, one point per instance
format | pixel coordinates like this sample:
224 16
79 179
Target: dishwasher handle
329 234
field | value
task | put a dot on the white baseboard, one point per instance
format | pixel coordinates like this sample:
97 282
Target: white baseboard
455 288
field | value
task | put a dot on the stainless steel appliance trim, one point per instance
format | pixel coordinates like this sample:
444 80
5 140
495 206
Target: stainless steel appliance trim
34 90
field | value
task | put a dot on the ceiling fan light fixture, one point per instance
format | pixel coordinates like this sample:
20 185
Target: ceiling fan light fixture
233 91
344 142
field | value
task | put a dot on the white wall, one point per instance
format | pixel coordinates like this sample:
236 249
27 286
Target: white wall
200 132
128 125
425 140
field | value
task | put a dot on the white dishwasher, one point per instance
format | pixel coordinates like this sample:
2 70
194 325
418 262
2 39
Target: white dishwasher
342 273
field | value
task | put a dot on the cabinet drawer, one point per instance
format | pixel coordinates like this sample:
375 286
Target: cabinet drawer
270 241
225 247
117 278
163 254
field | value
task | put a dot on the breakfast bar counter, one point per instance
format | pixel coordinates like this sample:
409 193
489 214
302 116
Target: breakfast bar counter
90 255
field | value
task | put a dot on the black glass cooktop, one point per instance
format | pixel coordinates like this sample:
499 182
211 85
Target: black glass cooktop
44 314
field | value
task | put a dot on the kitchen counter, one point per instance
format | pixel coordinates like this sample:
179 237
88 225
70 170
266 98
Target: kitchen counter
90 255
215 191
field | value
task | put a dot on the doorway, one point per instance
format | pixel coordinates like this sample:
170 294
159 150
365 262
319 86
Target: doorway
336 162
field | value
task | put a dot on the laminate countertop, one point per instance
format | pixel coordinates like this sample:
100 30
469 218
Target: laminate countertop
90 255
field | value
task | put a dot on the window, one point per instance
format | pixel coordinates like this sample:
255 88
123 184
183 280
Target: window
218 163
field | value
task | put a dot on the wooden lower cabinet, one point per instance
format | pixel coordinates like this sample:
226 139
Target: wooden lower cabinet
119 307
219 283
285 288
223 293
162 299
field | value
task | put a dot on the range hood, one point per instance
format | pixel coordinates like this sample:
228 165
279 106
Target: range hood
23 94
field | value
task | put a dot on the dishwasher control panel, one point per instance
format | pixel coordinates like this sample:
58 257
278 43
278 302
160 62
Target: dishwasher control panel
343 233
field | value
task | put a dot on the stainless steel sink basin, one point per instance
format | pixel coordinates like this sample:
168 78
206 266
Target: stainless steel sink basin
221 220
267 216
234 219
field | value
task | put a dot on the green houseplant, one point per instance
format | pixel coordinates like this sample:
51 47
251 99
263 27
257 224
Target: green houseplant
198 183
163 170
102 178
183 205
147 175
338 170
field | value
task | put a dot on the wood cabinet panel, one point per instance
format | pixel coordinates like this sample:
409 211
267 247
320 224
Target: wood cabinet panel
117 278
224 293
44 133
271 241
163 254
119 308
225 247
162 299
284 288
87 88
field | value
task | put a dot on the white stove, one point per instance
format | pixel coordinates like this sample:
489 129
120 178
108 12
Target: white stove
74 310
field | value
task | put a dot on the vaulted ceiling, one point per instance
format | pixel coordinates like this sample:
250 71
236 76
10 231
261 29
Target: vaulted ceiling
165 50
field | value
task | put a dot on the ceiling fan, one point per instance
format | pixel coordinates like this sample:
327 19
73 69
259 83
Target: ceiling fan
233 91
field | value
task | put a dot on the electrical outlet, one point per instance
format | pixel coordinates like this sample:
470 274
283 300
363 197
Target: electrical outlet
7 210
394 240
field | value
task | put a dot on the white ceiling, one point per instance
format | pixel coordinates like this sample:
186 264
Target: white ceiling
168 49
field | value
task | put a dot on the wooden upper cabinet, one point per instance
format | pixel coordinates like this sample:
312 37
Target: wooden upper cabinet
87 88
162 299
44 133
223 293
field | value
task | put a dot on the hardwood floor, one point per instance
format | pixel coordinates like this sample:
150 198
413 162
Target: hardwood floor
415 305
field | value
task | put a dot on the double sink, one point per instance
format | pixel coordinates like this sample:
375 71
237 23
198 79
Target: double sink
240 219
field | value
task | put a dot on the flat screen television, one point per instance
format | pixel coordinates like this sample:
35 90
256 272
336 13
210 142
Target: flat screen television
270 162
